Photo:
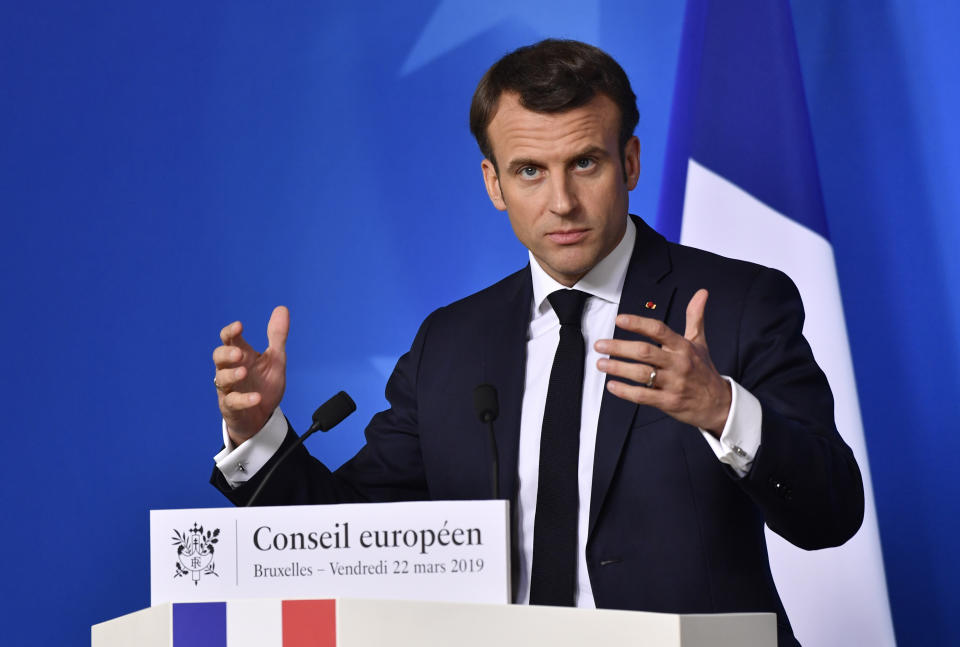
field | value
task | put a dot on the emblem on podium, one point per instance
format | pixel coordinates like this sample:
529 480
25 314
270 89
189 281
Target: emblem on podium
195 549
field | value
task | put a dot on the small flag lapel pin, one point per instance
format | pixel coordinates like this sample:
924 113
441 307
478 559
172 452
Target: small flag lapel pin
650 305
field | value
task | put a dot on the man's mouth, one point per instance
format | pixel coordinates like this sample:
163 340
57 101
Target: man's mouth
567 237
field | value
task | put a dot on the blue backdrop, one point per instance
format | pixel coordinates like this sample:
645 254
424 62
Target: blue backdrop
166 169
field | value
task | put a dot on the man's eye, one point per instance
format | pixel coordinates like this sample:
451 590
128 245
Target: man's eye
585 163
528 172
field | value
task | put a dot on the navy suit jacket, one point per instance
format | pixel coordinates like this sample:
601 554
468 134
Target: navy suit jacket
671 528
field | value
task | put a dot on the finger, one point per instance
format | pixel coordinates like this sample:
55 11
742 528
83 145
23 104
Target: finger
638 373
636 350
695 309
227 356
651 328
227 378
231 335
637 394
228 332
237 401
278 328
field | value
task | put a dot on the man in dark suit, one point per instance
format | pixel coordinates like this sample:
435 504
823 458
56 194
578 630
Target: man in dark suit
684 451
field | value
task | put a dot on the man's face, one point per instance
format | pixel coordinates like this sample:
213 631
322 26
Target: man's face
561 182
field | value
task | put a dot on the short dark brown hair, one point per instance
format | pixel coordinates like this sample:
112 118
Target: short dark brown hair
553 76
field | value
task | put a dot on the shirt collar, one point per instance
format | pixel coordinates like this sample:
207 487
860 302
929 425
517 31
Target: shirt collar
604 281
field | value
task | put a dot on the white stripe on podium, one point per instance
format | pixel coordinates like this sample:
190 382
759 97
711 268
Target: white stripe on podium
254 623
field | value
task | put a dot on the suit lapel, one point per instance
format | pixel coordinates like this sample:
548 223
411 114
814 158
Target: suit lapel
504 366
646 292
504 362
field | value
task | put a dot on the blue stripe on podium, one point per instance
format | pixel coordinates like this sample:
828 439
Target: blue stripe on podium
200 624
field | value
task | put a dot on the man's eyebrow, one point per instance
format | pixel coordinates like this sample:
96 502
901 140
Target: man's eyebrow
517 164
593 151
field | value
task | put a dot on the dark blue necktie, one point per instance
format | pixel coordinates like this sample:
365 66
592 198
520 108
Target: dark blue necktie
553 575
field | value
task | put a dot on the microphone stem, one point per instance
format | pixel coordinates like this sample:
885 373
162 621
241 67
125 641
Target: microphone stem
494 463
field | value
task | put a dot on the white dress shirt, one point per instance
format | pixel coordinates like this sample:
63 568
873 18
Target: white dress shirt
737 445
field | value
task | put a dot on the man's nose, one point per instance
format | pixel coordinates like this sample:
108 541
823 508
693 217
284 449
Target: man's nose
563 196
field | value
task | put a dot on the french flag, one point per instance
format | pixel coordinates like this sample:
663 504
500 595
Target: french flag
254 623
740 179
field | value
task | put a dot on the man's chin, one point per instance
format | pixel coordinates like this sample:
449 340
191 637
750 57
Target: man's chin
567 274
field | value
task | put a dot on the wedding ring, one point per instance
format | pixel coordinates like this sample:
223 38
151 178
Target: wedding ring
652 379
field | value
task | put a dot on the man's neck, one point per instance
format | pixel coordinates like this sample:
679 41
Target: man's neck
604 280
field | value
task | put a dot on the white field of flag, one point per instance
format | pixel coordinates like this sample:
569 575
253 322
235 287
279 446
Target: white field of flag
836 596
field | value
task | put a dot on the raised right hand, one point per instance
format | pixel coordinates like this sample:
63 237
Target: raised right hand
249 384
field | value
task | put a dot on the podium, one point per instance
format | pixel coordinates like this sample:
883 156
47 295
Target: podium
365 575
345 622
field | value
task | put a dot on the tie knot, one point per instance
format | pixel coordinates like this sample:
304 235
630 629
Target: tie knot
568 304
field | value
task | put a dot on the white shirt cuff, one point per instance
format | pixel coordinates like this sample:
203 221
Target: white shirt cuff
740 440
239 464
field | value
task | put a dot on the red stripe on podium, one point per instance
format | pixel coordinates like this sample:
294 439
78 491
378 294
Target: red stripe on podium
309 623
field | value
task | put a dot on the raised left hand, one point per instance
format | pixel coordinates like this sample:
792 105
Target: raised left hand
686 386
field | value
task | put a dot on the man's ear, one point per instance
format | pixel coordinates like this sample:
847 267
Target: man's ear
631 162
492 182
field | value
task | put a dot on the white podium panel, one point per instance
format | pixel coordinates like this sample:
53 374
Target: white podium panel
403 623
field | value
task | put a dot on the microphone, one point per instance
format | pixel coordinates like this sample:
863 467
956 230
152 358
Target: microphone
331 413
485 402
327 416
487 408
